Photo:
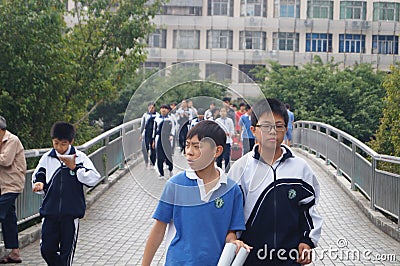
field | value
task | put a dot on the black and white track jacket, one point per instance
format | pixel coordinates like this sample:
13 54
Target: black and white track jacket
280 206
63 187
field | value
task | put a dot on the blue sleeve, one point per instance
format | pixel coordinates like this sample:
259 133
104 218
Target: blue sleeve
165 207
237 221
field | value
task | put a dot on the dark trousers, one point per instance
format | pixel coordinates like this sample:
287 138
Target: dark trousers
248 145
226 156
164 154
146 146
182 136
8 219
59 237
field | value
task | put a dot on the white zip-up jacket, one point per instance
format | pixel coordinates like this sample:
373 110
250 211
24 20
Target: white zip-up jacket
280 204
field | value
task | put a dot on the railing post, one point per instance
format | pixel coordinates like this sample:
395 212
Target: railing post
353 166
339 140
122 134
317 153
105 159
373 181
328 133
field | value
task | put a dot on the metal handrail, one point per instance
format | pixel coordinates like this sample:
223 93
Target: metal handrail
111 154
356 161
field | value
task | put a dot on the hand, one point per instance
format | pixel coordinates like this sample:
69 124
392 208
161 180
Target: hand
240 244
304 254
38 186
69 161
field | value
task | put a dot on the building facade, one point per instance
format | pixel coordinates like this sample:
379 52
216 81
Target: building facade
247 33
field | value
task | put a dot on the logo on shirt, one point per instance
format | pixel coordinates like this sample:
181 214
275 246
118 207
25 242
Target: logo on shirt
71 172
291 193
219 202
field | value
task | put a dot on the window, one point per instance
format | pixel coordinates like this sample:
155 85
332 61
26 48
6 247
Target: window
351 43
219 39
249 75
318 42
252 40
285 41
386 11
257 8
157 39
385 44
287 8
319 9
353 10
220 8
153 67
219 72
182 10
186 39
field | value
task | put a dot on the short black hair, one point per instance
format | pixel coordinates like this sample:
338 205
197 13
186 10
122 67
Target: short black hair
270 106
201 111
151 103
226 99
242 104
63 131
208 129
166 106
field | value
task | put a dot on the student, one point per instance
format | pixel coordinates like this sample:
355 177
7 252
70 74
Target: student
280 191
201 206
164 132
248 139
184 116
198 118
60 176
208 115
228 126
146 136
288 135
12 182
242 110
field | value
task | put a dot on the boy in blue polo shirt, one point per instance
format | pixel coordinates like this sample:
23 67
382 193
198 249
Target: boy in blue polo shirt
201 206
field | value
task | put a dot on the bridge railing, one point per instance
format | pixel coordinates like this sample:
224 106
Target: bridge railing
108 151
355 161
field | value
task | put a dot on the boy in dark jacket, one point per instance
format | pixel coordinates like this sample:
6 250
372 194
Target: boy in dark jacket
60 175
280 191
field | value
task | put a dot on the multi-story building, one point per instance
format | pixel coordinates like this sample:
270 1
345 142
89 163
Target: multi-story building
248 33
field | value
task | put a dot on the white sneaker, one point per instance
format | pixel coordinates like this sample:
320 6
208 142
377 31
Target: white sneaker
161 177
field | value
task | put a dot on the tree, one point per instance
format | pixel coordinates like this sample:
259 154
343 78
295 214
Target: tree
349 99
50 71
388 135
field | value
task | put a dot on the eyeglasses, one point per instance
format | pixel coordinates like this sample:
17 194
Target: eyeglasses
269 127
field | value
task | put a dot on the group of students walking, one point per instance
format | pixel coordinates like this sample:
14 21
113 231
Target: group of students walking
266 203
161 130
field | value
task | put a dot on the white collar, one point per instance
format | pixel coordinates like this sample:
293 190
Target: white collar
223 179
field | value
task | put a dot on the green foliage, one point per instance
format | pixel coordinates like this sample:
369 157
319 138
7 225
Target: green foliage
349 99
388 135
50 71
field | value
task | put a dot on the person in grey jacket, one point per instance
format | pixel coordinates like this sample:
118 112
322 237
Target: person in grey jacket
12 181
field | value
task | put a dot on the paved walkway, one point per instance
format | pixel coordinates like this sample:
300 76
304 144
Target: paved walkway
115 228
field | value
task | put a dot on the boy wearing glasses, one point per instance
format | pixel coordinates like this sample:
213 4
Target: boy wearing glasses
280 191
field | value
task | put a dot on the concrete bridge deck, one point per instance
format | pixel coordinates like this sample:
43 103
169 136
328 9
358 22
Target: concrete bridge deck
116 225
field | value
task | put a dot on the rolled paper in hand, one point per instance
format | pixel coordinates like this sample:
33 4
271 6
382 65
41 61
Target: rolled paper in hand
227 255
240 257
